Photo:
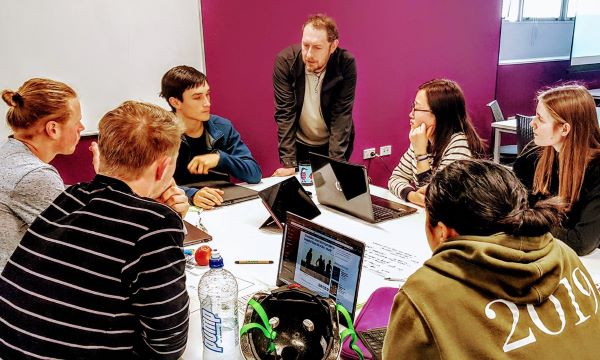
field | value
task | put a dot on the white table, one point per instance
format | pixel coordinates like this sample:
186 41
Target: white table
507 126
510 127
236 233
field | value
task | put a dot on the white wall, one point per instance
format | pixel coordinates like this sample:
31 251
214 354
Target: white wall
534 41
586 47
107 50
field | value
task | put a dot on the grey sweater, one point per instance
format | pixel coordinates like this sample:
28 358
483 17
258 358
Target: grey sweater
27 187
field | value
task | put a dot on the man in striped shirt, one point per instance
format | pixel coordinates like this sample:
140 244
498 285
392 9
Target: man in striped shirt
100 273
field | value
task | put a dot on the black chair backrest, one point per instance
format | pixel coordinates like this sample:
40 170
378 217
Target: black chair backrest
524 131
496 112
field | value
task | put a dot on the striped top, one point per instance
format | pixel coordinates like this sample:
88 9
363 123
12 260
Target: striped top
405 179
98 275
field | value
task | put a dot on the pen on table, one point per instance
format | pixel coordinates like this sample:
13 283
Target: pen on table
393 279
254 261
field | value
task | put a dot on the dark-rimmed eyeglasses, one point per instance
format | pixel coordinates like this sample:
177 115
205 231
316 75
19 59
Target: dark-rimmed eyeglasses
413 108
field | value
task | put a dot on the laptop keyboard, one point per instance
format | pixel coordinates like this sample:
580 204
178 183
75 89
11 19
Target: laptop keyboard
383 213
373 340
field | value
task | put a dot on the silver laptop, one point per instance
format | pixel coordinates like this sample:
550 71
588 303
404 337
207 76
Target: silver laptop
345 186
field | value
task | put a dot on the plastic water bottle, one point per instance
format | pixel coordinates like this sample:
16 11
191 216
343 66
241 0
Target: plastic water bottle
218 293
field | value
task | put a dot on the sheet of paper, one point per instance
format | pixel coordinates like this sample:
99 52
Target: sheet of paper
387 261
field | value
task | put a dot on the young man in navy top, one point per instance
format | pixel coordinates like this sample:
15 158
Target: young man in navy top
211 148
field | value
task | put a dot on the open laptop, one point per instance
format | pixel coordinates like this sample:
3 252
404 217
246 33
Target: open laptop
287 196
232 193
322 260
345 187
194 235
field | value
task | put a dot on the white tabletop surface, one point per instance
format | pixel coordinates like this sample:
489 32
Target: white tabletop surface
236 233
510 124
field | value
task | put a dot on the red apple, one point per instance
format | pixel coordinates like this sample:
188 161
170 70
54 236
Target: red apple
202 255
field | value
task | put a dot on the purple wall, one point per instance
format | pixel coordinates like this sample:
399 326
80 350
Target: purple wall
397 45
517 85
78 166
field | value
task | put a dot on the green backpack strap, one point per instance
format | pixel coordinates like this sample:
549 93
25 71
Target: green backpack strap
349 332
267 331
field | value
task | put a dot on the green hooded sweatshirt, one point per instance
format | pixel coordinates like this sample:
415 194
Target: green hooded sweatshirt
497 297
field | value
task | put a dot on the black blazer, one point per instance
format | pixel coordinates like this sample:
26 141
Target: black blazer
337 101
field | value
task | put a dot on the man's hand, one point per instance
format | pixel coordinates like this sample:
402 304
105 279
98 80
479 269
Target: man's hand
207 198
284 172
202 163
175 198
95 156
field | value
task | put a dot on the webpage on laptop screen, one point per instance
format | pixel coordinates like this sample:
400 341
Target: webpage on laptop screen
327 267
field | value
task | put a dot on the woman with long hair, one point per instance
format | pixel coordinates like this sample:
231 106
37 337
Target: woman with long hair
441 132
564 161
498 284
45 118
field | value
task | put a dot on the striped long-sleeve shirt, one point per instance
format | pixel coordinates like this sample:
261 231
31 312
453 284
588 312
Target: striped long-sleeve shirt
405 179
98 275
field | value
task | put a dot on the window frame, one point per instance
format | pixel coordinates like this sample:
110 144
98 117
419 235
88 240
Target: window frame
564 7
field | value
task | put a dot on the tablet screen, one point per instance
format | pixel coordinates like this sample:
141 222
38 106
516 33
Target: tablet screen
288 195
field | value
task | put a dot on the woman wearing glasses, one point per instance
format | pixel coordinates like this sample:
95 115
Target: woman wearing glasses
441 133
566 162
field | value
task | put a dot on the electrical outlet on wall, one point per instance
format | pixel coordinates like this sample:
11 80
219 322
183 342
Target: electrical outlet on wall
369 153
385 150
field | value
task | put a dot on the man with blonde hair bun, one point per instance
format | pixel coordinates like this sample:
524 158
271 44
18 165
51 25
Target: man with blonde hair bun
100 274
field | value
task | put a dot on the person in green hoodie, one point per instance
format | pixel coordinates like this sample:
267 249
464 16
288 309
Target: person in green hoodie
498 285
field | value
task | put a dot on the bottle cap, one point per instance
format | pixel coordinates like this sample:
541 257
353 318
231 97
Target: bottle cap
216 261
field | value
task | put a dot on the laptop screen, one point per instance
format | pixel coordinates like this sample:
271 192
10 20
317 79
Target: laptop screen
345 186
348 178
321 260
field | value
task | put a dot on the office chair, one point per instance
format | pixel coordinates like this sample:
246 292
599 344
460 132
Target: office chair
496 112
506 151
524 131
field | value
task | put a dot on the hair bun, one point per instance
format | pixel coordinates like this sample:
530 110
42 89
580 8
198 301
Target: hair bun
542 216
12 98
17 98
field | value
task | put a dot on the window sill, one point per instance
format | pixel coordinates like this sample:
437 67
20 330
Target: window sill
533 60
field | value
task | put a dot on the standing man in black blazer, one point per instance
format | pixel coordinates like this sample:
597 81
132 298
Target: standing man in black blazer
314 84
